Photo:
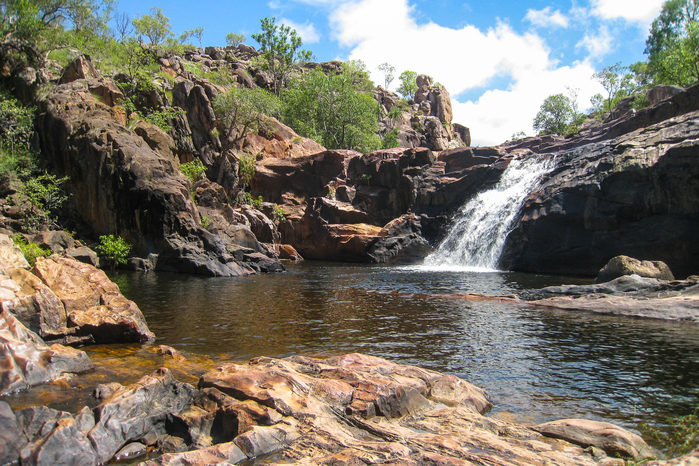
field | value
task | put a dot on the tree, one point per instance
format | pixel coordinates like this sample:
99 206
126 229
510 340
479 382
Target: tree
234 39
387 71
240 110
29 29
334 110
555 115
197 33
280 46
123 26
673 44
156 27
408 84
614 79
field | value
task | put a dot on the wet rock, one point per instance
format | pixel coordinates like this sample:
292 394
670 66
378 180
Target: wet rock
624 265
608 437
690 459
38 421
93 303
225 453
138 413
26 361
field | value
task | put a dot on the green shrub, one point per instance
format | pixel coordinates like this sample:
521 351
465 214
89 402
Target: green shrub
680 437
257 203
193 170
115 250
278 213
45 195
246 169
205 222
30 250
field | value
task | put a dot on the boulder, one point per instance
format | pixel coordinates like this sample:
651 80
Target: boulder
36 306
624 265
26 361
56 241
92 302
84 254
663 92
80 68
11 256
614 440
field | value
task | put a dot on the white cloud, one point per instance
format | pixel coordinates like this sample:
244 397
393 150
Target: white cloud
306 31
379 31
597 45
545 18
640 11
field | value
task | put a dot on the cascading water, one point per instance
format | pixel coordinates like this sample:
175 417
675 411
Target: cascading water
480 228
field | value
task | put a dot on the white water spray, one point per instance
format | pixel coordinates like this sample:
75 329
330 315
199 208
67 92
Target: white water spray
480 228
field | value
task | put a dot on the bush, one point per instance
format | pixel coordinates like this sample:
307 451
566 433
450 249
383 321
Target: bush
115 250
45 195
278 213
681 436
193 170
30 250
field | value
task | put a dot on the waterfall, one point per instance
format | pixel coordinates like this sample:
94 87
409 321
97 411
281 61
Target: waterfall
479 229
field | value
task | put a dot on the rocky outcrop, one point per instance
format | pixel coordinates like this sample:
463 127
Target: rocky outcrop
122 185
11 256
628 187
351 409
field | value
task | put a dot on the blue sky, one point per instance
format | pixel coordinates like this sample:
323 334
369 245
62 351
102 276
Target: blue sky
498 59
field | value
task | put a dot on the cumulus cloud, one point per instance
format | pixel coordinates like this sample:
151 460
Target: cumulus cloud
306 31
640 11
464 59
546 18
597 44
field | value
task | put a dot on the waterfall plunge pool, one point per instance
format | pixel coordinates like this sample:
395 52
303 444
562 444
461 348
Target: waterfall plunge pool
537 365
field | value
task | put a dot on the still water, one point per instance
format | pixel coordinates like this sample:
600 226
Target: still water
538 365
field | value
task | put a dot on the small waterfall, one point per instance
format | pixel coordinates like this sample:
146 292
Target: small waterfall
480 228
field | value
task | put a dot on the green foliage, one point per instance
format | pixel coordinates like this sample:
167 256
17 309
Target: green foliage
193 170
257 203
557 116
518 135
680 437
390 139
333 110
234 39
387 70
408 84
331 193
162 117
246 170
280 47
197 33
115 250
240 110
156 27
45 195
614 79
16 124
278 213
30 250
30 29
678 62
205 221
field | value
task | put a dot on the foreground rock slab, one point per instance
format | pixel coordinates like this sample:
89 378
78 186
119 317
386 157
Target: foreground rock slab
352 409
